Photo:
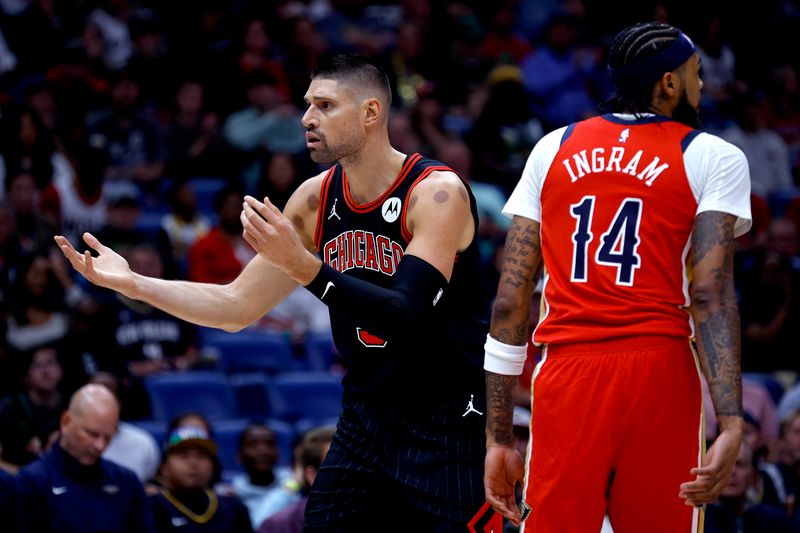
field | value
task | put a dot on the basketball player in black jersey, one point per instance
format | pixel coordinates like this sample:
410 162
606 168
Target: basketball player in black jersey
388 241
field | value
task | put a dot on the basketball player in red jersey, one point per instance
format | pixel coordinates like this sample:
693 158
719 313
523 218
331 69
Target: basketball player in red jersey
633 215
398 268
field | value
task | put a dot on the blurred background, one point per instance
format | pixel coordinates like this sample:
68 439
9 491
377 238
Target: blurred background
145 122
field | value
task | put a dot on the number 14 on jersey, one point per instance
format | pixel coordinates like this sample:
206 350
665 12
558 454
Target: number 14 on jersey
618 243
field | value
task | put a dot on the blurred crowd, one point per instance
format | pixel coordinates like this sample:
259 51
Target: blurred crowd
146 122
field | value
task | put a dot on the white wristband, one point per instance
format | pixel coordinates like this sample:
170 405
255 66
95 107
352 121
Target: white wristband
501 358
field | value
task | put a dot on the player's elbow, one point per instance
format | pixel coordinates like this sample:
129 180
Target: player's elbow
508 306
707 295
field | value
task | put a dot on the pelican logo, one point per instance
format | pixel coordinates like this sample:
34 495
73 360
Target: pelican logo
391 209
624 135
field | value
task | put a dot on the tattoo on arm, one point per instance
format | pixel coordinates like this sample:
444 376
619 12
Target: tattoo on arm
500 405
715 310
522 257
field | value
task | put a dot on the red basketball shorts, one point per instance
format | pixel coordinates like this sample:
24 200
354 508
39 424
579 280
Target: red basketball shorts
616 427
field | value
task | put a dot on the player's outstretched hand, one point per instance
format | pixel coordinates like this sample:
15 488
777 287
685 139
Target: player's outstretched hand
503 469
716 471
108 269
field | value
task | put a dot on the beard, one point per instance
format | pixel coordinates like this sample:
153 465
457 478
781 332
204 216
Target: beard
324 153
686 113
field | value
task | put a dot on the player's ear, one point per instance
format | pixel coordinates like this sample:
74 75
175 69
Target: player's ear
373 111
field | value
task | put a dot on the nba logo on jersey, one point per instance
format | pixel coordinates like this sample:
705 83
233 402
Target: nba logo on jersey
624 135
391 209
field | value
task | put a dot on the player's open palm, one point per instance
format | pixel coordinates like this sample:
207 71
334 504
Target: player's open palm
503 469
108 269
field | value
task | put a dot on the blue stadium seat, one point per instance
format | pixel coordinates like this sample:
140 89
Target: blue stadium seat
205 190
250 351
252 396
320 351
286 437
156 428
173 393
227 433
304 425
312 395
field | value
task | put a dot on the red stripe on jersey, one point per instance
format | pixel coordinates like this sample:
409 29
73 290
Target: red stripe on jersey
351 203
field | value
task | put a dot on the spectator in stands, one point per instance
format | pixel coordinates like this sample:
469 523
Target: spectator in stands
71 487
131 447
38 309
769 316
195 146
132 140
219 256
783 107
767 154
269 121
10 248
720 85
77 201
184 224
736 512
9 508
558 75
146 340
33 230
309 455
279 178
28 147
505 131
29 418
186 497
258 54
261 487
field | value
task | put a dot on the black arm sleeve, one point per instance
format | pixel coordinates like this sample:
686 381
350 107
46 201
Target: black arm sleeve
397 310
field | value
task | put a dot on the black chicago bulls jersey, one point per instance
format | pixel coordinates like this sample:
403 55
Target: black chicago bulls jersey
368 241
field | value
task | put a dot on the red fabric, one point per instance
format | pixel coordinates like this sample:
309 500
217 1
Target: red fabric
212 259
629 407
651 300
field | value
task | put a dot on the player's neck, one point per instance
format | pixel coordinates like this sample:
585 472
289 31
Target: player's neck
373 170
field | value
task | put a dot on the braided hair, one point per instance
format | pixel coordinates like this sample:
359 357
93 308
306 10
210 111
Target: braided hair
631 46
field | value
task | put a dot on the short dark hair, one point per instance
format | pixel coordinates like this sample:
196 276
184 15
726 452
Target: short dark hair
631 46
357 69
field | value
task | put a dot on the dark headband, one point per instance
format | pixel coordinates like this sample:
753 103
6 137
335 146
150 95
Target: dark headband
650 70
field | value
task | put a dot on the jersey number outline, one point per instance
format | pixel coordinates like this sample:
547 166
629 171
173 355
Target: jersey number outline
618 244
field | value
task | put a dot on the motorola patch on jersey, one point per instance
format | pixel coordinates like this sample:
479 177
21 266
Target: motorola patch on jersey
391 209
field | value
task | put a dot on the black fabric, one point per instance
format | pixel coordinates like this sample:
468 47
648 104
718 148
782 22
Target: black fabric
443 356
392 312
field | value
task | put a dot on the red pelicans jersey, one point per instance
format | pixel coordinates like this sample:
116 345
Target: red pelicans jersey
616 198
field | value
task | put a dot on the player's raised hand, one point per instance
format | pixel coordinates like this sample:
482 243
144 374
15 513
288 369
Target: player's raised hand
108 269
274 237
503 468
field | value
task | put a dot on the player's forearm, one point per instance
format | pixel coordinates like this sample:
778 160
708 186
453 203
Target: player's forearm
718 345
203 304
715 312
500 408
